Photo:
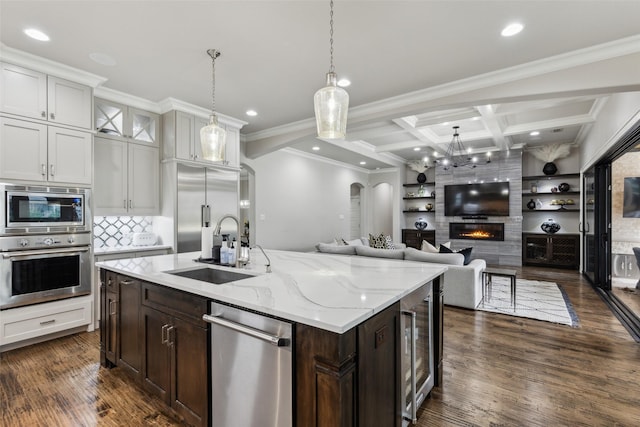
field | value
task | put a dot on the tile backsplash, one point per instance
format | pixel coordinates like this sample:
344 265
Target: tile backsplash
111 231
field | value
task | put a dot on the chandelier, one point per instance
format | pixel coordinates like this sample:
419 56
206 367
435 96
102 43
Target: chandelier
212 136
457 156
331 102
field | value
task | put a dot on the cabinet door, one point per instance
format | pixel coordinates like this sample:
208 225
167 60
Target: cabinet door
110 187
564 250
189 371
69 154
111 324
144 180
185 136
156 359
232 156
199 123
69 103
110 119
23 92
129 343
23 150
145 127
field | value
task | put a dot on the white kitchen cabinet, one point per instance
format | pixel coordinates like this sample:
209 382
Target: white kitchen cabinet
182 139
32 94
36 152
127 178
118 121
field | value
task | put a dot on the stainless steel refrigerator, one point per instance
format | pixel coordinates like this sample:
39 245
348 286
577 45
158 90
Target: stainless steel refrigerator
199 187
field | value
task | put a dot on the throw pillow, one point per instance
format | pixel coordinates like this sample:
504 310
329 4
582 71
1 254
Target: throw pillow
429 248
378 242
340 241
466 252
388 243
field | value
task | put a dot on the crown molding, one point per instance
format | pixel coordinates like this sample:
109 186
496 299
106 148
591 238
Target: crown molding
47 66
169 104
318 158
126 99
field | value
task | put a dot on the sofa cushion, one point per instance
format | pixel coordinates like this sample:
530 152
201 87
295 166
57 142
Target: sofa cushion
412 254
466 252
332 248
379 253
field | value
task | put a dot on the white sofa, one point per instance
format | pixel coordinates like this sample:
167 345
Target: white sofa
462 283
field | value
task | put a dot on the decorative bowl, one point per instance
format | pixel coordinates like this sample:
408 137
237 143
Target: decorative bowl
564 187
550 226
421 224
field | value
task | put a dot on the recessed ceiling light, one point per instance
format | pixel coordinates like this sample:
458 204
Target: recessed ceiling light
512 29
425 159
252 113
534 133
36 34
103 59
344 82
363 163
444 123
416 149
315 148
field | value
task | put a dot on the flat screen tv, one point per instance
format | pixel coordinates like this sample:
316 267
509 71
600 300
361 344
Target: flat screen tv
486 199
631 198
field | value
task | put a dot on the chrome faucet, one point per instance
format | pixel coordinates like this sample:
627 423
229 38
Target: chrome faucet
216 232
268 264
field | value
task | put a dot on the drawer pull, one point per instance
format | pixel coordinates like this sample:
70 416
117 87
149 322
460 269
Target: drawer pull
126 282
47 322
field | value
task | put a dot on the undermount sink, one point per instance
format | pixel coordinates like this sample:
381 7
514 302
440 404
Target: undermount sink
211 275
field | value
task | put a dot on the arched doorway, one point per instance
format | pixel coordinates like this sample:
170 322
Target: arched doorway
356 211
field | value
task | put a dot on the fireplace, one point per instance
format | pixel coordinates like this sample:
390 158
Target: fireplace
477 231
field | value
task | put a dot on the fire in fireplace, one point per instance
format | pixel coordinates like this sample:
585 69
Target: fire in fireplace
477 231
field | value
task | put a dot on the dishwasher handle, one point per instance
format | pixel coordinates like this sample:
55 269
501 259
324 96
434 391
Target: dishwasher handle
247 330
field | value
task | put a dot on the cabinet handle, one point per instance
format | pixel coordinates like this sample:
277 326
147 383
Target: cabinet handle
112 308
48 322
170 338
53 170
44 114
414 386
43 169
53 116
126 282
164 334
130 204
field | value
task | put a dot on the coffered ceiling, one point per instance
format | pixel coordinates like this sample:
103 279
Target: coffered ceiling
416 67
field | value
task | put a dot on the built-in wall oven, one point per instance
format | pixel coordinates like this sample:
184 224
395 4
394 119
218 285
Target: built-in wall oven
45 244
417 356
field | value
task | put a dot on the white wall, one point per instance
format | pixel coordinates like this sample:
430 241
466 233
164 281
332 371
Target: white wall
300 201
382 209
619 114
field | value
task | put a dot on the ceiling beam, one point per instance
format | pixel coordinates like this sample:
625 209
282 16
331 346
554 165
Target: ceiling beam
494 125
578 120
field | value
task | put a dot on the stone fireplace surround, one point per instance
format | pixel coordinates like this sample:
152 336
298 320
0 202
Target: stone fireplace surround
504 166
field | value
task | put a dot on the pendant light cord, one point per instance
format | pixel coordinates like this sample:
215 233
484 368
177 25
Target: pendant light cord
331 67
213 54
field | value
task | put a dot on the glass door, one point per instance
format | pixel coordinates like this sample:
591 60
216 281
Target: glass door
587 226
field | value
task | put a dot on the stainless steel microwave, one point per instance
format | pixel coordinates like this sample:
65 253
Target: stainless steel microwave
38 209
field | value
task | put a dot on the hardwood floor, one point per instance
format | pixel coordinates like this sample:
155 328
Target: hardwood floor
499 371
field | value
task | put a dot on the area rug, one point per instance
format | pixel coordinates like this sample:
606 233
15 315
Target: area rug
534 299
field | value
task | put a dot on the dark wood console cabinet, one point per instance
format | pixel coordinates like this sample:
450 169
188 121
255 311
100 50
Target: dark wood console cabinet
551 250
157 335
414 238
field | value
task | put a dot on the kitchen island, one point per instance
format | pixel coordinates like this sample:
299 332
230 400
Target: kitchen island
333 301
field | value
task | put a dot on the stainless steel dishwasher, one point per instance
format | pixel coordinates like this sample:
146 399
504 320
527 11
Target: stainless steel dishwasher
251 369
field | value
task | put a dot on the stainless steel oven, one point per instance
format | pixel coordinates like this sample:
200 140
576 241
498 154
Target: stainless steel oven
44 267
417 356
30 209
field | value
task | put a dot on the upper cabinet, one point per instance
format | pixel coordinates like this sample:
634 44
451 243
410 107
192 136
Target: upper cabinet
181 133
113 120
31 94
37 152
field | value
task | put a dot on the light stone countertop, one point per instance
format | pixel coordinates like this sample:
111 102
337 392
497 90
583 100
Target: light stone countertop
331 292
125 249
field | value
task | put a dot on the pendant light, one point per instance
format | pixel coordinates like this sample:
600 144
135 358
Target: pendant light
212 136
331 102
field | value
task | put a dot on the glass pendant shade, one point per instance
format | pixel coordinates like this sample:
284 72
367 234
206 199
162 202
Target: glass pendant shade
331 104
213 140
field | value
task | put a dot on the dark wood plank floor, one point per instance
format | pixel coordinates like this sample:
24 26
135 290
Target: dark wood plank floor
499 371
